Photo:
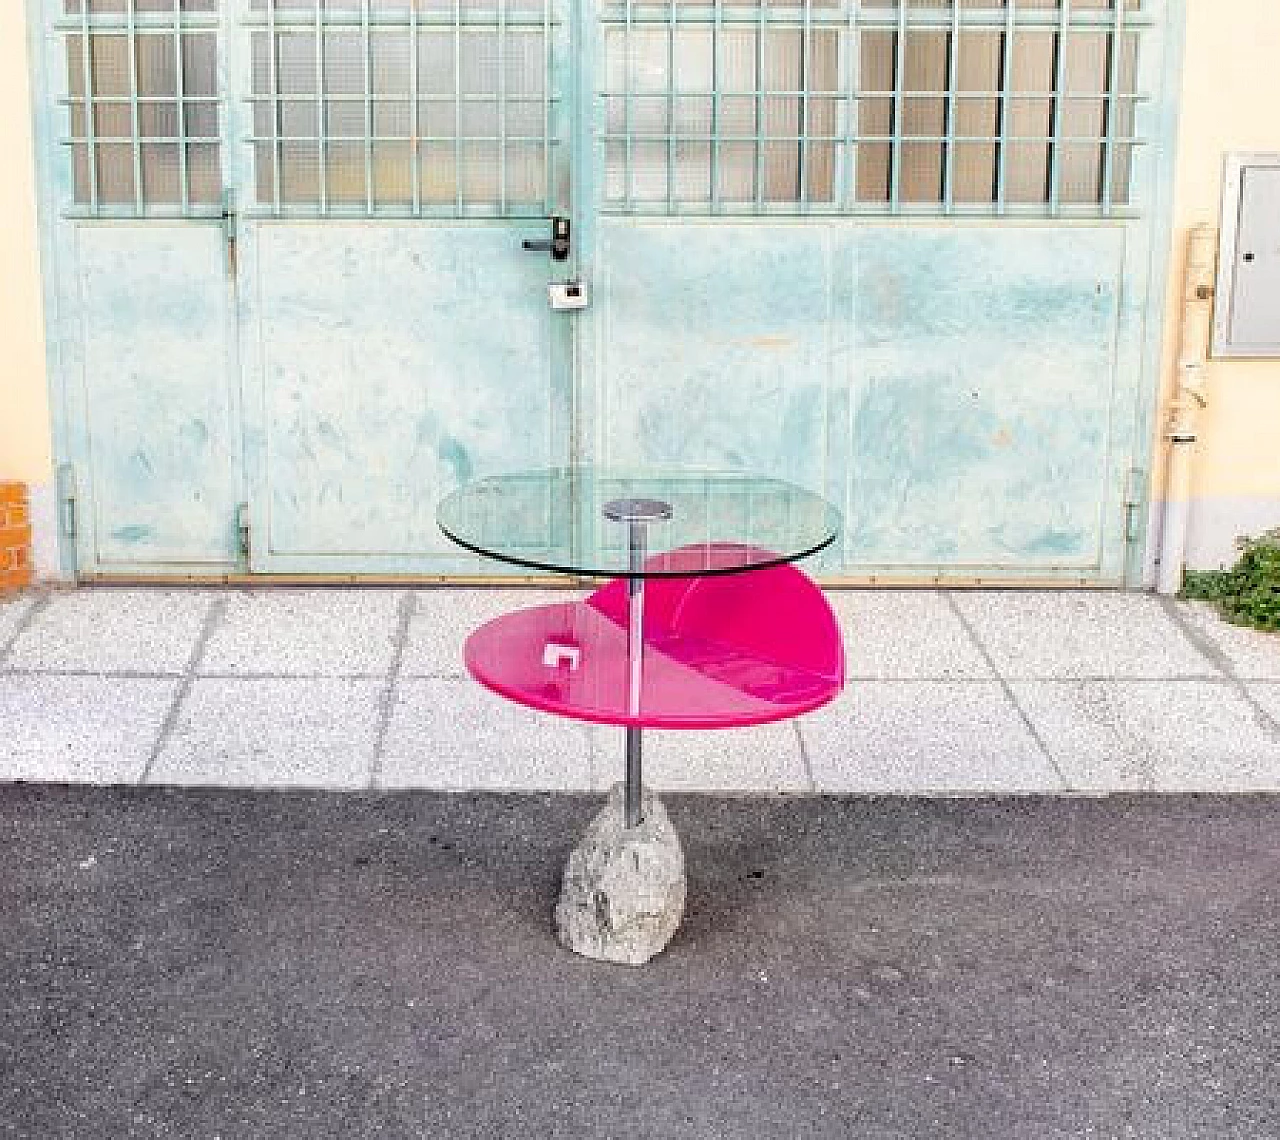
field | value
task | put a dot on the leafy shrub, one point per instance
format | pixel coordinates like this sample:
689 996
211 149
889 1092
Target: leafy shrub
1248 593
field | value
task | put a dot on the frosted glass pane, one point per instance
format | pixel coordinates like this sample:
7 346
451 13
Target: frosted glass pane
161 174
479 172
299 173
437 173
295 65
392 174
199 64
204 176
345 173
158 120
526 174
112 121
344 119
202 120
157 65
1027 163
344 63
737 170
391 55
1080 173
974 172
393 120
110 57
115 174
435 63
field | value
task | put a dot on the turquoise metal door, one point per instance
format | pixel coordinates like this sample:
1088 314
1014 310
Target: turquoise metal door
897 251
397 337
139 295
291 301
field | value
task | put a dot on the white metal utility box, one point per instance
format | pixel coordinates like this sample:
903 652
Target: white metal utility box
1247 318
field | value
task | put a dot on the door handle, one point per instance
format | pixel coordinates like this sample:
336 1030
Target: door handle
558 246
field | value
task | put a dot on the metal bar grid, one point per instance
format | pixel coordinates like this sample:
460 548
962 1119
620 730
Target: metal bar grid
446 146
184 176
131 39
825 155
367 60
713 172
671 106
899 76
889 17
1115 50
1059 84
1005 107
953 83
322 111
131 179
806 82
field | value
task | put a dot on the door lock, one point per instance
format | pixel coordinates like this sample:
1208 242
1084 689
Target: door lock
567 295
558 246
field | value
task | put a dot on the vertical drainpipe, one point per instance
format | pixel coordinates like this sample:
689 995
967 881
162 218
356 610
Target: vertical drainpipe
1188 401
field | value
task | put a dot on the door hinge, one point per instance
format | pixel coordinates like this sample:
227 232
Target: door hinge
230 229
243 534
67 499
1135 495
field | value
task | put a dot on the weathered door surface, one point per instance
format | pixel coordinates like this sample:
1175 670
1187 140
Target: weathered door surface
401 338
895 252
141 304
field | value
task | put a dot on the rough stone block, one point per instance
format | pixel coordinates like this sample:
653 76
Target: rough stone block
624 888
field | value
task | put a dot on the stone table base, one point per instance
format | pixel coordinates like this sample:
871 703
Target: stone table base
623 892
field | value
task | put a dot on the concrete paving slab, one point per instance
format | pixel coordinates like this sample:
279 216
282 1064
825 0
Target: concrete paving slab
12 610
88 729
108 630
913 634
311 732
1185 736
1252 654
1268 696
762 759
449 733
925 737
443 619
306 967
324 632
1058 634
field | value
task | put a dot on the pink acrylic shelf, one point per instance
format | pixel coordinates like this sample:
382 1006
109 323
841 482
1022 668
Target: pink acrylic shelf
721 651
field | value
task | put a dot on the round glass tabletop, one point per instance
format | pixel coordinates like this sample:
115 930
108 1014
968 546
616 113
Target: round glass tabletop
687 523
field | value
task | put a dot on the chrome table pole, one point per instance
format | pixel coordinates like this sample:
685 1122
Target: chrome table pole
637 514
635 666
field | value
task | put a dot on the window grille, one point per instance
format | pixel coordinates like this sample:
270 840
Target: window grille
417 107
143 106
870 106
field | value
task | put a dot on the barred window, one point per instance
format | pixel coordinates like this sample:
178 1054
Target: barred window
143 105
871 106
403 106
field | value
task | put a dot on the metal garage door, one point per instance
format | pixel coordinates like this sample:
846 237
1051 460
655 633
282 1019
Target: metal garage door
896 252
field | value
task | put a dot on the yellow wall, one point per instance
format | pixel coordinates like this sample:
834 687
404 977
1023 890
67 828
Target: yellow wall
1230 102
24 408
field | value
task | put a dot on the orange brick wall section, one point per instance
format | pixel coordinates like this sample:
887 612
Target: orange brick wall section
15 537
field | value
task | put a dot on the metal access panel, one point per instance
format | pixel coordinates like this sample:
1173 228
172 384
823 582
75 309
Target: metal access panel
1247 322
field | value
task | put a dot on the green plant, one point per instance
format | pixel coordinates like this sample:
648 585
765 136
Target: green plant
1248 593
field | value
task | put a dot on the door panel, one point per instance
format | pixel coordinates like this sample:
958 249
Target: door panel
395 361
983 399
159 458
714 345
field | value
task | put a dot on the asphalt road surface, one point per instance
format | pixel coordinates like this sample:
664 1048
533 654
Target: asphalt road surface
222 964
